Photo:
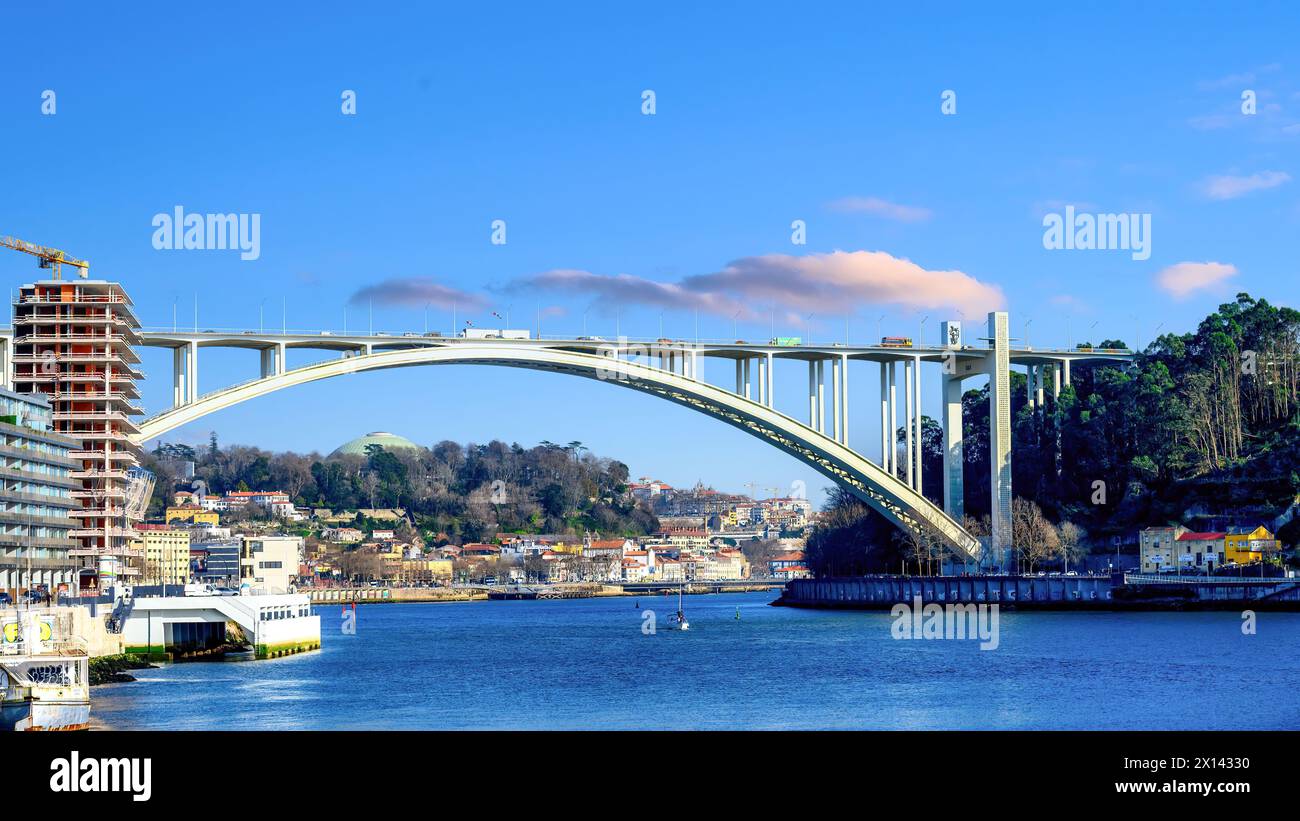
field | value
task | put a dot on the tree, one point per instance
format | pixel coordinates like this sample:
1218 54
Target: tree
1071 543
1036 539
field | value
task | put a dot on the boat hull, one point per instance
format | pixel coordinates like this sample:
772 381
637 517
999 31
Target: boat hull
34 715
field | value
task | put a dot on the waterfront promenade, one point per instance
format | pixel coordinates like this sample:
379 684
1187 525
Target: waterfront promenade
1119 591
577 590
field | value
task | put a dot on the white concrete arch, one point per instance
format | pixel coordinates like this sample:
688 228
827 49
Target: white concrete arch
893 498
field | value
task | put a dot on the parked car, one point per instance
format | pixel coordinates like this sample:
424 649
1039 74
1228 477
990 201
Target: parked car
5 598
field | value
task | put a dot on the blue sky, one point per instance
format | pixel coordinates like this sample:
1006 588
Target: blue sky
764 116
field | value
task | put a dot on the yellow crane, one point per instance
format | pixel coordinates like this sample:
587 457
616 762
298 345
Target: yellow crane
49 257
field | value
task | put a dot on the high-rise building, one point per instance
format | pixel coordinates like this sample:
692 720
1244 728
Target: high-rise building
36 488
74 342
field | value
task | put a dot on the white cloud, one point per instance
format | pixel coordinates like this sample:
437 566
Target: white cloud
880 208
1185 278
1228 187
829 284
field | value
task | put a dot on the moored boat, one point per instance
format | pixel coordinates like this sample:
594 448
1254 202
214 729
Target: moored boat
44 673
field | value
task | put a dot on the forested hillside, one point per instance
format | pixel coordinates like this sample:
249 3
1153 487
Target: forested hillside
1203 428
466 492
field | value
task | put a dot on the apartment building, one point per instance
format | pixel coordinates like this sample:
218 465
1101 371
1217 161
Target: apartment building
269 563
74 342
36 500
166 554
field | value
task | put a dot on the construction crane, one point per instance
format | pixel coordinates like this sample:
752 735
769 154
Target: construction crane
51 258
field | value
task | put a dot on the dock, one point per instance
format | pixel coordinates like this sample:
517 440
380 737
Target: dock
1128 591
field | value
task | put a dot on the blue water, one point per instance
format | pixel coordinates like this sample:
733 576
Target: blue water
586 664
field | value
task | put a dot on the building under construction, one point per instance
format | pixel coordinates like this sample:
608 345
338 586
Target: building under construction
74 342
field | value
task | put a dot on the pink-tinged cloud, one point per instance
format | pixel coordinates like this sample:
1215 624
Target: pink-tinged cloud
827 284
1227 187
416 292
1186 278
880 208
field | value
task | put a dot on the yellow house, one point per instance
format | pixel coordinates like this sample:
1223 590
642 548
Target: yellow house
567 548
166 553
191 513
1244 546
426 569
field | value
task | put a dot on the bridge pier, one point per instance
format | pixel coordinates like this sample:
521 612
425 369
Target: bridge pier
178 377
821 396
954 484
907 423
916 459
884 416
893 419
192 372
844 401
998 364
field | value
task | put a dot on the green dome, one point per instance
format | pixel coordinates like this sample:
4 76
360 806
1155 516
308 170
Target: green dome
389 441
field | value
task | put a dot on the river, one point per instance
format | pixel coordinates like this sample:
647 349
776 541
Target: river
588 664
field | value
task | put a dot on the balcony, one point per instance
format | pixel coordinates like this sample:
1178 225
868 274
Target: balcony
123 552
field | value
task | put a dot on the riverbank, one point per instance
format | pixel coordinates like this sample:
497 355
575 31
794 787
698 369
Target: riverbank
109 669
426 595
1118 592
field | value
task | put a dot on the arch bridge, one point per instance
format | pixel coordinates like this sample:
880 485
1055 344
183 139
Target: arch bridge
671 370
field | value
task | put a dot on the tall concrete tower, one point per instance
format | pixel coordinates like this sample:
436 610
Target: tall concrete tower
1000 542
74 342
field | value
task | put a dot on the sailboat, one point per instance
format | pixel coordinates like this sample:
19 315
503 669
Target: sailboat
682 623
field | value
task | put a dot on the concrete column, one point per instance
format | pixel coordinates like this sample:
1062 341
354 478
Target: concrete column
844 402
884 417
740 381
893 419
1038 386
761 365
771 398
999 366
1029 385
953 478
281 358
821 396
907 422
1065 371
919 428
812 395
748 383
1056 380
178 376
192 371
268 361
837 396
